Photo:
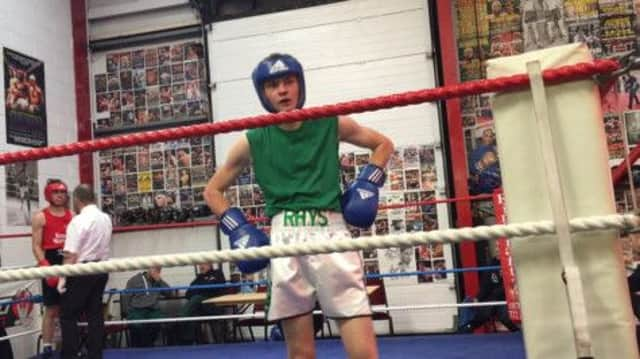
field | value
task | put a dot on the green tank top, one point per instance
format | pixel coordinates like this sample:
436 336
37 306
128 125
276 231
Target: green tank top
297 170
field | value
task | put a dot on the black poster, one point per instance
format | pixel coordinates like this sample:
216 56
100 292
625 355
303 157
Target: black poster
26 111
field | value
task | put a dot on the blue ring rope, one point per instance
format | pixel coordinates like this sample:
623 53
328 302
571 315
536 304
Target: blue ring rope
38 298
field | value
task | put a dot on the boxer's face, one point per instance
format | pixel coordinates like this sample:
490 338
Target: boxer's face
283 92
59 198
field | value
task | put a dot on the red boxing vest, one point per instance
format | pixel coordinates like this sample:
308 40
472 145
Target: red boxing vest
54 231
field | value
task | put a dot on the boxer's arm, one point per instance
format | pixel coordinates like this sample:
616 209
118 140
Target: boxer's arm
37 227
239 157
380 145
232 221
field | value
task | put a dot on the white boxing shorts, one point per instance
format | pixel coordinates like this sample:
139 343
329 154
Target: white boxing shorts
335 280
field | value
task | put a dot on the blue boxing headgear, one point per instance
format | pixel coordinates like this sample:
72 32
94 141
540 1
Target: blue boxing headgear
273 67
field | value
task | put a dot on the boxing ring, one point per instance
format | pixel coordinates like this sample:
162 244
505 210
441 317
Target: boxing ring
461 346
436 345
562 223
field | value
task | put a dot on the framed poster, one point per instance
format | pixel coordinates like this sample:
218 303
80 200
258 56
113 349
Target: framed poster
25 105
22 192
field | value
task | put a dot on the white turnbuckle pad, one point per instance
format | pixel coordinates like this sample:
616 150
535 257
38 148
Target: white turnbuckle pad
575 119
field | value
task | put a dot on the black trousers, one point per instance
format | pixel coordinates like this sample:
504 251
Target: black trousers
5 346
187 331
83 296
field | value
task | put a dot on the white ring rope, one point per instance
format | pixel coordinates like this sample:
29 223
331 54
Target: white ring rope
436 306
261 315
342 244
21 334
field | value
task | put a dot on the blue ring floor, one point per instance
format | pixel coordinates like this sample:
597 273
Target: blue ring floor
455 346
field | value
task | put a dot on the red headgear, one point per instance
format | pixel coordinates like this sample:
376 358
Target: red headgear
53 186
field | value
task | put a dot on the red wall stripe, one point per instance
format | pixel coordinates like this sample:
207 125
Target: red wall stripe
83 92
448 58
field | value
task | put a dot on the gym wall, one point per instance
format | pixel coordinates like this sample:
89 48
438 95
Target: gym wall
28 27
350 50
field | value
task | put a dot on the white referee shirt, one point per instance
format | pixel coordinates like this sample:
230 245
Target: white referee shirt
89 234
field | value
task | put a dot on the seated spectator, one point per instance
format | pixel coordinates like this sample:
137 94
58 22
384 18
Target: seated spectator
207 275
491 290
144 305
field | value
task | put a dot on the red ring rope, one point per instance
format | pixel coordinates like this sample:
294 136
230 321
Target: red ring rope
501 84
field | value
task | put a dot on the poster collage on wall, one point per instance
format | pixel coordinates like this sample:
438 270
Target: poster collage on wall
631 250
493 28
147 184
152 85
162 85
411 177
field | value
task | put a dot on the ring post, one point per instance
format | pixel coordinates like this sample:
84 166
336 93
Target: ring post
577 185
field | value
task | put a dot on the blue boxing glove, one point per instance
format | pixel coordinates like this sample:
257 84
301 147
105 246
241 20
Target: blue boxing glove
360 201
243 234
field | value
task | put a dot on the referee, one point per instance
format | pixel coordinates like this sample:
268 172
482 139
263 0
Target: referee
88 238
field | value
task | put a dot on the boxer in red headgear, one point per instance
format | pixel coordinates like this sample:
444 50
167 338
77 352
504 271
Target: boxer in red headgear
49 230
